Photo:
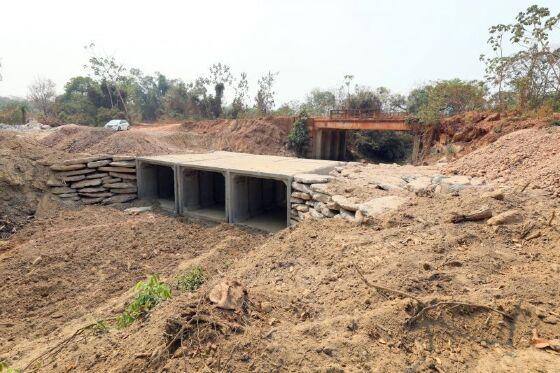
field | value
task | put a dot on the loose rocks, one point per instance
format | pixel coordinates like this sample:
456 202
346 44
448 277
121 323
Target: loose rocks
95 179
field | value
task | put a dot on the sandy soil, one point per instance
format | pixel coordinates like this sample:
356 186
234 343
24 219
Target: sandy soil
307 308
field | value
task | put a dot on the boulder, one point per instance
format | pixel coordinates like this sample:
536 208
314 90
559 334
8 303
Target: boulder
69 179
312 178
93 190
86 183
117 169
70 167
62 190
101 163
508 217
123 175
121 198
323 209
123 164
301 187
420 184
316 214
91 201
301 195
121 185
380 205
75 172
299 207
296 200
87 159
97 175
96 195
347 215
124 190
345 203
118 158
321 197
228 295
110 180
321 188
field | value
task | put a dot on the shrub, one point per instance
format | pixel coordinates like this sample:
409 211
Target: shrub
298 138
555 123
192 280
150 293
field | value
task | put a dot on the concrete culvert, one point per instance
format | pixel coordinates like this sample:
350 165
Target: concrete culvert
203 194
157 182
259 202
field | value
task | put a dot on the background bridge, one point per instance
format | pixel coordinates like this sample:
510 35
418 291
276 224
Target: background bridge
328 136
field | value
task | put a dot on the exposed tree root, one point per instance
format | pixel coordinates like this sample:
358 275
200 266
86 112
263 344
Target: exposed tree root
424 307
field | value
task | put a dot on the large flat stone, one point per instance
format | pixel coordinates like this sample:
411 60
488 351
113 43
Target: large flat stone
123 164
101 163
62 190
119 185
345 203
380 205
74 173
117 169
122 175
121 198
86 159
312 178
69 167
86 183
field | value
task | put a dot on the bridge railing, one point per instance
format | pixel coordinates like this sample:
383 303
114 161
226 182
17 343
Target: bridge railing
364 114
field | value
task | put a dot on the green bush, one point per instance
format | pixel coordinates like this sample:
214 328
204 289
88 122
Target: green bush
555 123
191 280
150 293
298 137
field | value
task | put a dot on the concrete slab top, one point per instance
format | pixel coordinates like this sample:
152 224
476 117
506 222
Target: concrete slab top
243 163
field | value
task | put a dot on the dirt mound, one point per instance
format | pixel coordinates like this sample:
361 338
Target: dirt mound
63 269
257 136
531 155
307 306
23 177
82 139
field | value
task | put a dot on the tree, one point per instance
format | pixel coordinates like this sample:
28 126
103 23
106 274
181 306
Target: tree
241 93
298 138
446 97
41 95
320 102
264 101
111 74
533 72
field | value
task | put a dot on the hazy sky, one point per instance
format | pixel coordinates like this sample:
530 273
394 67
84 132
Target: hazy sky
394 43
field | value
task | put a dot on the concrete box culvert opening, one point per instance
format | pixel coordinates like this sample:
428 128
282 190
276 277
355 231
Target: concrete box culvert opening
157 182
259 203
203 194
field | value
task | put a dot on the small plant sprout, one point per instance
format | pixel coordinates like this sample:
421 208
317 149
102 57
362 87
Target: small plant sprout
191 280
149 294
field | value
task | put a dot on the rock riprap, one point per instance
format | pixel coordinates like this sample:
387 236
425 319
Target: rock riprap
95 179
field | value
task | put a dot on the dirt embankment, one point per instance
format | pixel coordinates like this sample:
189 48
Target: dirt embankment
257 136
23 177
307 305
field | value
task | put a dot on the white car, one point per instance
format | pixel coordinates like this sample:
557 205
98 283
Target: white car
118 125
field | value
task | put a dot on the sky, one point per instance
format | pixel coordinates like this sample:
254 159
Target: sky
399 44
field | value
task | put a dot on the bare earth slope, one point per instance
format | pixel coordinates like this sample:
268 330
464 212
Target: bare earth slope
530 155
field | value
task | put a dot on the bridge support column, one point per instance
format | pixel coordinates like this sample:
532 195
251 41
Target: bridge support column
415 148
317 144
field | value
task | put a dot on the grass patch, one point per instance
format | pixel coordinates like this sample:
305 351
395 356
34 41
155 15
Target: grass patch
5 368
191 280
555 123
149 294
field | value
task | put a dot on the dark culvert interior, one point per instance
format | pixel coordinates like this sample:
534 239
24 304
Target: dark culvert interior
159 183
204 194
259 203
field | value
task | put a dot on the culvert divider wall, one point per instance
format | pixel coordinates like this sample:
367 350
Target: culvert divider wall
239 188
